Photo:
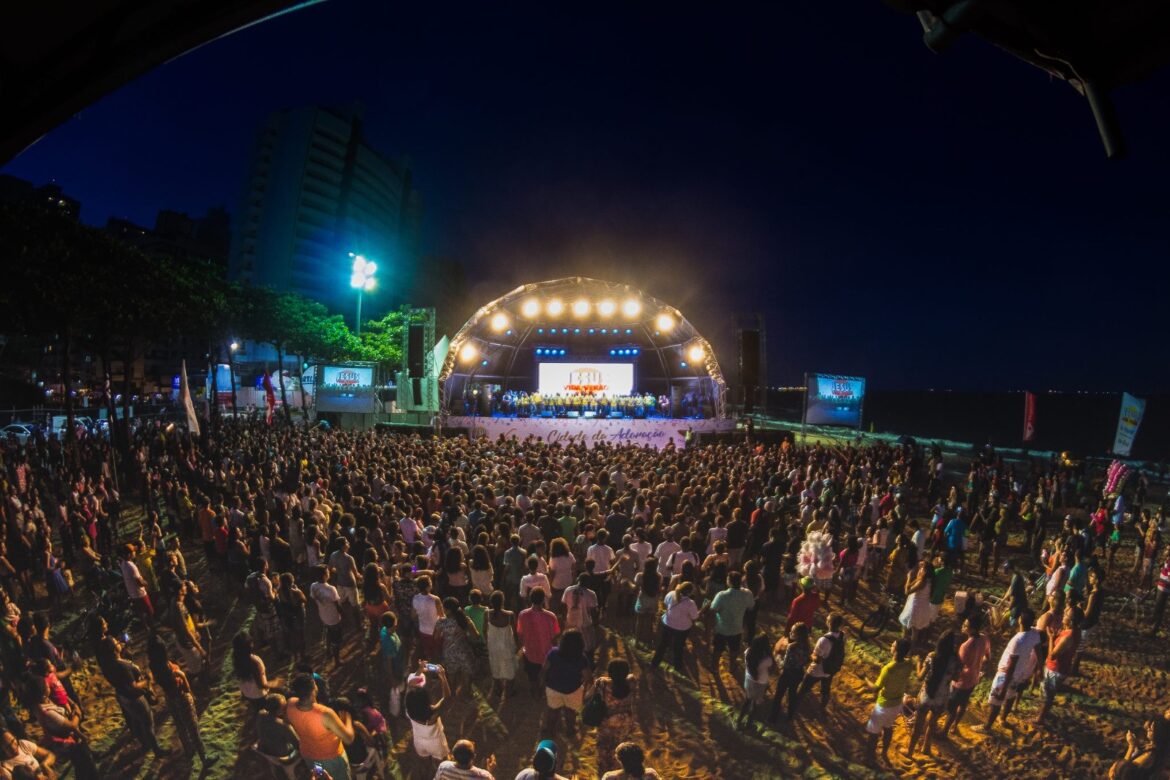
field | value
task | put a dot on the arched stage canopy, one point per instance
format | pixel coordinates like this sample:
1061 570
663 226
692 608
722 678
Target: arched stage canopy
587 320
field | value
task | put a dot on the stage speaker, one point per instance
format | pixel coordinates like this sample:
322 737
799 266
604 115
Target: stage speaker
416 388
749 358
415 350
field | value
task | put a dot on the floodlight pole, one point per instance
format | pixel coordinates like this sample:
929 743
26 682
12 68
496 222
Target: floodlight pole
359 311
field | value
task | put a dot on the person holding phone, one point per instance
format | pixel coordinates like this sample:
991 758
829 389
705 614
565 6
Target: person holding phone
430 741
323 733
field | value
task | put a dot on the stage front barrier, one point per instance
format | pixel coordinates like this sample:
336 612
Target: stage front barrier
590 432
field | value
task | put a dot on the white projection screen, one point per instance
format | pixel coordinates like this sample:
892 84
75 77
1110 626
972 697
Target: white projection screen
571 377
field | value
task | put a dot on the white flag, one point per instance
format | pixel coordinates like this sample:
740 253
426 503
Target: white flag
185 399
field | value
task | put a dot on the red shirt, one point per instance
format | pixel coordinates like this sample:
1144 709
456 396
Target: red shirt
536 628
1062 662
803 608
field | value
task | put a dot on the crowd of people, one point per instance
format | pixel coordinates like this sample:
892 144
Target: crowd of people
452 570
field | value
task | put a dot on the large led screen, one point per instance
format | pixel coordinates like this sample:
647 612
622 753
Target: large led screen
347 376
834 400
587 378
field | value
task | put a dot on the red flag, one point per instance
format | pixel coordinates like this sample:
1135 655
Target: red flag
1029 416
269 397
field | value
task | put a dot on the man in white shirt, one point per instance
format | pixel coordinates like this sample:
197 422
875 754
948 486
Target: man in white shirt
427 610
136 585
641 548
345 573
534 580
328 602
1016 666
411 530
665 549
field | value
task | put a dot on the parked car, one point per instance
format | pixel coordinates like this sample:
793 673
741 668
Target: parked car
21 431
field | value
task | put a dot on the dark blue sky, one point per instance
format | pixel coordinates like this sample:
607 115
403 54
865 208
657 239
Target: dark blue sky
923 220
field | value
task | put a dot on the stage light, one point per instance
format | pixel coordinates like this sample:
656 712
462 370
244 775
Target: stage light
632 308
591 331
611 353
540 330
606 308
508 332
580 307
576 331
664 322
499 321
556 307
562 352
468 352
695 353
683 364
483 363
605 330
628 331
530 308
539 351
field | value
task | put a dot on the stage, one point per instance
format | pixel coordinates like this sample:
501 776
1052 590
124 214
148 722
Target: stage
655 432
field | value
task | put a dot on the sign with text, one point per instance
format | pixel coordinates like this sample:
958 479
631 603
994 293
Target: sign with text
586 378
1132 411
591 432
834 400
347 376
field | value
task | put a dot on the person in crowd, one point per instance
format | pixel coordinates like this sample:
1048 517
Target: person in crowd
617 689
544 763
633 764
180 702
936 671
677 621
461 765
1014 672
322 732
328 601
793 652
828 656
758 664
891 685
973 655
567 671
537 628
133 692
501 644
456 634
429 736
729 607
918 612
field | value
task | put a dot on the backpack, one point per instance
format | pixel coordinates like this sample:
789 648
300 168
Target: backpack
836 657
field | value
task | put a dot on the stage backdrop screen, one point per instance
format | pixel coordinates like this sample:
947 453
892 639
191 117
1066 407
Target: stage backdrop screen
572 377
834 400
347 376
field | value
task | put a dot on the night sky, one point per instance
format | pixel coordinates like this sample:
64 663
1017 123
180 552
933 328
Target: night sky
925 221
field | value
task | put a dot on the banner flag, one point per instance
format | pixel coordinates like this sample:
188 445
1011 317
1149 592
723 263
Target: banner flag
1132 409
185 399
269 397
1029 416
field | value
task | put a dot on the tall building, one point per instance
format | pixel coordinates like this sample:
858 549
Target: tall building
317 192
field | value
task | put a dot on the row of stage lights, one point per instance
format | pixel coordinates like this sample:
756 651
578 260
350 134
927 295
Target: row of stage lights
577 331
696 353
631 309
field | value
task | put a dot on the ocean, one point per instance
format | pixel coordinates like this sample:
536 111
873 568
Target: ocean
1081 423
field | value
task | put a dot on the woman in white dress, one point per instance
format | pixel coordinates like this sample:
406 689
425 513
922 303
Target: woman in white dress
501 644
917 614
481 569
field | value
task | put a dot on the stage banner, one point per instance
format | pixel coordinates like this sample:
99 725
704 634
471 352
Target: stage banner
591 431
1132 410
1029 416
834 400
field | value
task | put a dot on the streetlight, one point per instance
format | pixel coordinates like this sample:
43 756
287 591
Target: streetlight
363 281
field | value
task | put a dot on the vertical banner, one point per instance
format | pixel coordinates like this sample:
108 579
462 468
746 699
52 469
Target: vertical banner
1029 416
1132 409
269 397
185 399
